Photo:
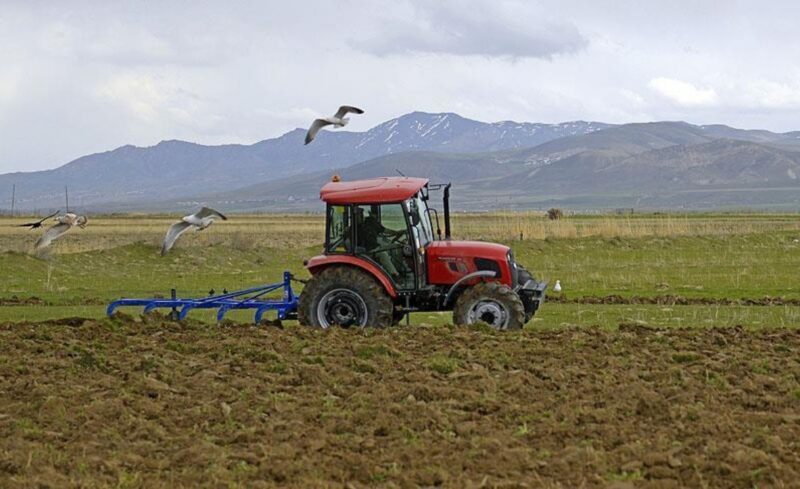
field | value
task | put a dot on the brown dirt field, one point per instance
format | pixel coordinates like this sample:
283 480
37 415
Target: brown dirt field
155 404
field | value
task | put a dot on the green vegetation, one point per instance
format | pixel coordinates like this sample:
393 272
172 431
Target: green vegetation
702 256
443 364
732 266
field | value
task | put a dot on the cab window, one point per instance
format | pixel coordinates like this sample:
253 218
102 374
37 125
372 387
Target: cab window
339 229
382 236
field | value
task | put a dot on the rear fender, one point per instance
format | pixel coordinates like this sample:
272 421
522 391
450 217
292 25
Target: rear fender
318 263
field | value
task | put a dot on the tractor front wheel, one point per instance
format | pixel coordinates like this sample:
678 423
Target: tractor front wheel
344 296
492 303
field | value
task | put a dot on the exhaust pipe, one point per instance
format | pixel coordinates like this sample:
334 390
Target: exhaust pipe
447 211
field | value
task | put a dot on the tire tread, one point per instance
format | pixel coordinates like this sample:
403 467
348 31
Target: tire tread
350 277
490 290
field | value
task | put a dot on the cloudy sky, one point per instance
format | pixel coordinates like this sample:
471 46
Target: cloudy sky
82 77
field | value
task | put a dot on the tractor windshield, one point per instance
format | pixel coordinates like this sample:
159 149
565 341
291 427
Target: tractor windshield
420 220
338 240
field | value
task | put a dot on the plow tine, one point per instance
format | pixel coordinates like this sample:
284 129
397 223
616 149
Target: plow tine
221 313
184 312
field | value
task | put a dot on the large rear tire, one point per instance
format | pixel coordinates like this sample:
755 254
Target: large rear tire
492 303
344 296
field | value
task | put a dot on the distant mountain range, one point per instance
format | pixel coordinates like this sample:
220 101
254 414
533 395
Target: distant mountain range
133 176
498 165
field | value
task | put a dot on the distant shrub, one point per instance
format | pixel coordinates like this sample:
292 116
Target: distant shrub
554 214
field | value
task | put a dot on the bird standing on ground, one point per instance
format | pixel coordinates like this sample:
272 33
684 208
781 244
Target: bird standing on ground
199 220
65 223
37 224
557 286
338 120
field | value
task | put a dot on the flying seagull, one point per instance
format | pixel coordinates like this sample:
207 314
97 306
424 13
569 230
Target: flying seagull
65 223
37 224
338 120
200 220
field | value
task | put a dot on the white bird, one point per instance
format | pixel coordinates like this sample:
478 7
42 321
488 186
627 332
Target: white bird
65 223
199 220
338 120
557 286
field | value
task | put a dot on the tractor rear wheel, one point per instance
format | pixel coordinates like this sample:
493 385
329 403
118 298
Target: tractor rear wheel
492 303
344 296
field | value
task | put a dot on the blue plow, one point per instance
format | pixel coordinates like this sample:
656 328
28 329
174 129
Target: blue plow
251 298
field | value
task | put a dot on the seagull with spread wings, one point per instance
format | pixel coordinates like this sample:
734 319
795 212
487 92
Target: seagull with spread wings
65 223
39 223
199 220
338 120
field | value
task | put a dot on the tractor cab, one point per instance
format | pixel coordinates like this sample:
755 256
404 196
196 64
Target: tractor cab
375 226
382 258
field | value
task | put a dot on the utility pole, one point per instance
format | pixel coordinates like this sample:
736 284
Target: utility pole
66 194
13 197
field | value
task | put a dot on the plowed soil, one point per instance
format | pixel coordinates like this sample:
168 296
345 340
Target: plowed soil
157 404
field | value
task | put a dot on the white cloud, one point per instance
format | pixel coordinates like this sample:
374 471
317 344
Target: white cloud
769 94
496 29
142 95
8 87
684 93
160 102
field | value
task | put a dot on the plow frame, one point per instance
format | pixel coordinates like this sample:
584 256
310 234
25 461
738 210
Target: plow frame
250 298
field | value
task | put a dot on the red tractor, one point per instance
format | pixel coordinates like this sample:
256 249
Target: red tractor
382 260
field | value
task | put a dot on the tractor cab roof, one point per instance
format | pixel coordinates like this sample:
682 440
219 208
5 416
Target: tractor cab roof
372 191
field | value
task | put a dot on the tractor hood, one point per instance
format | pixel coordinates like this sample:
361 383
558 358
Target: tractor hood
448 261
465 249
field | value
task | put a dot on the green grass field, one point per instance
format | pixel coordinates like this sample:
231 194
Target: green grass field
727 256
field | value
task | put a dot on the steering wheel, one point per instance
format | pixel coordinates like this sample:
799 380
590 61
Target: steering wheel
336 243
392 245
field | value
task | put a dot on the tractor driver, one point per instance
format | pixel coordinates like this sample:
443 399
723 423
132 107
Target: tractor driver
378 240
